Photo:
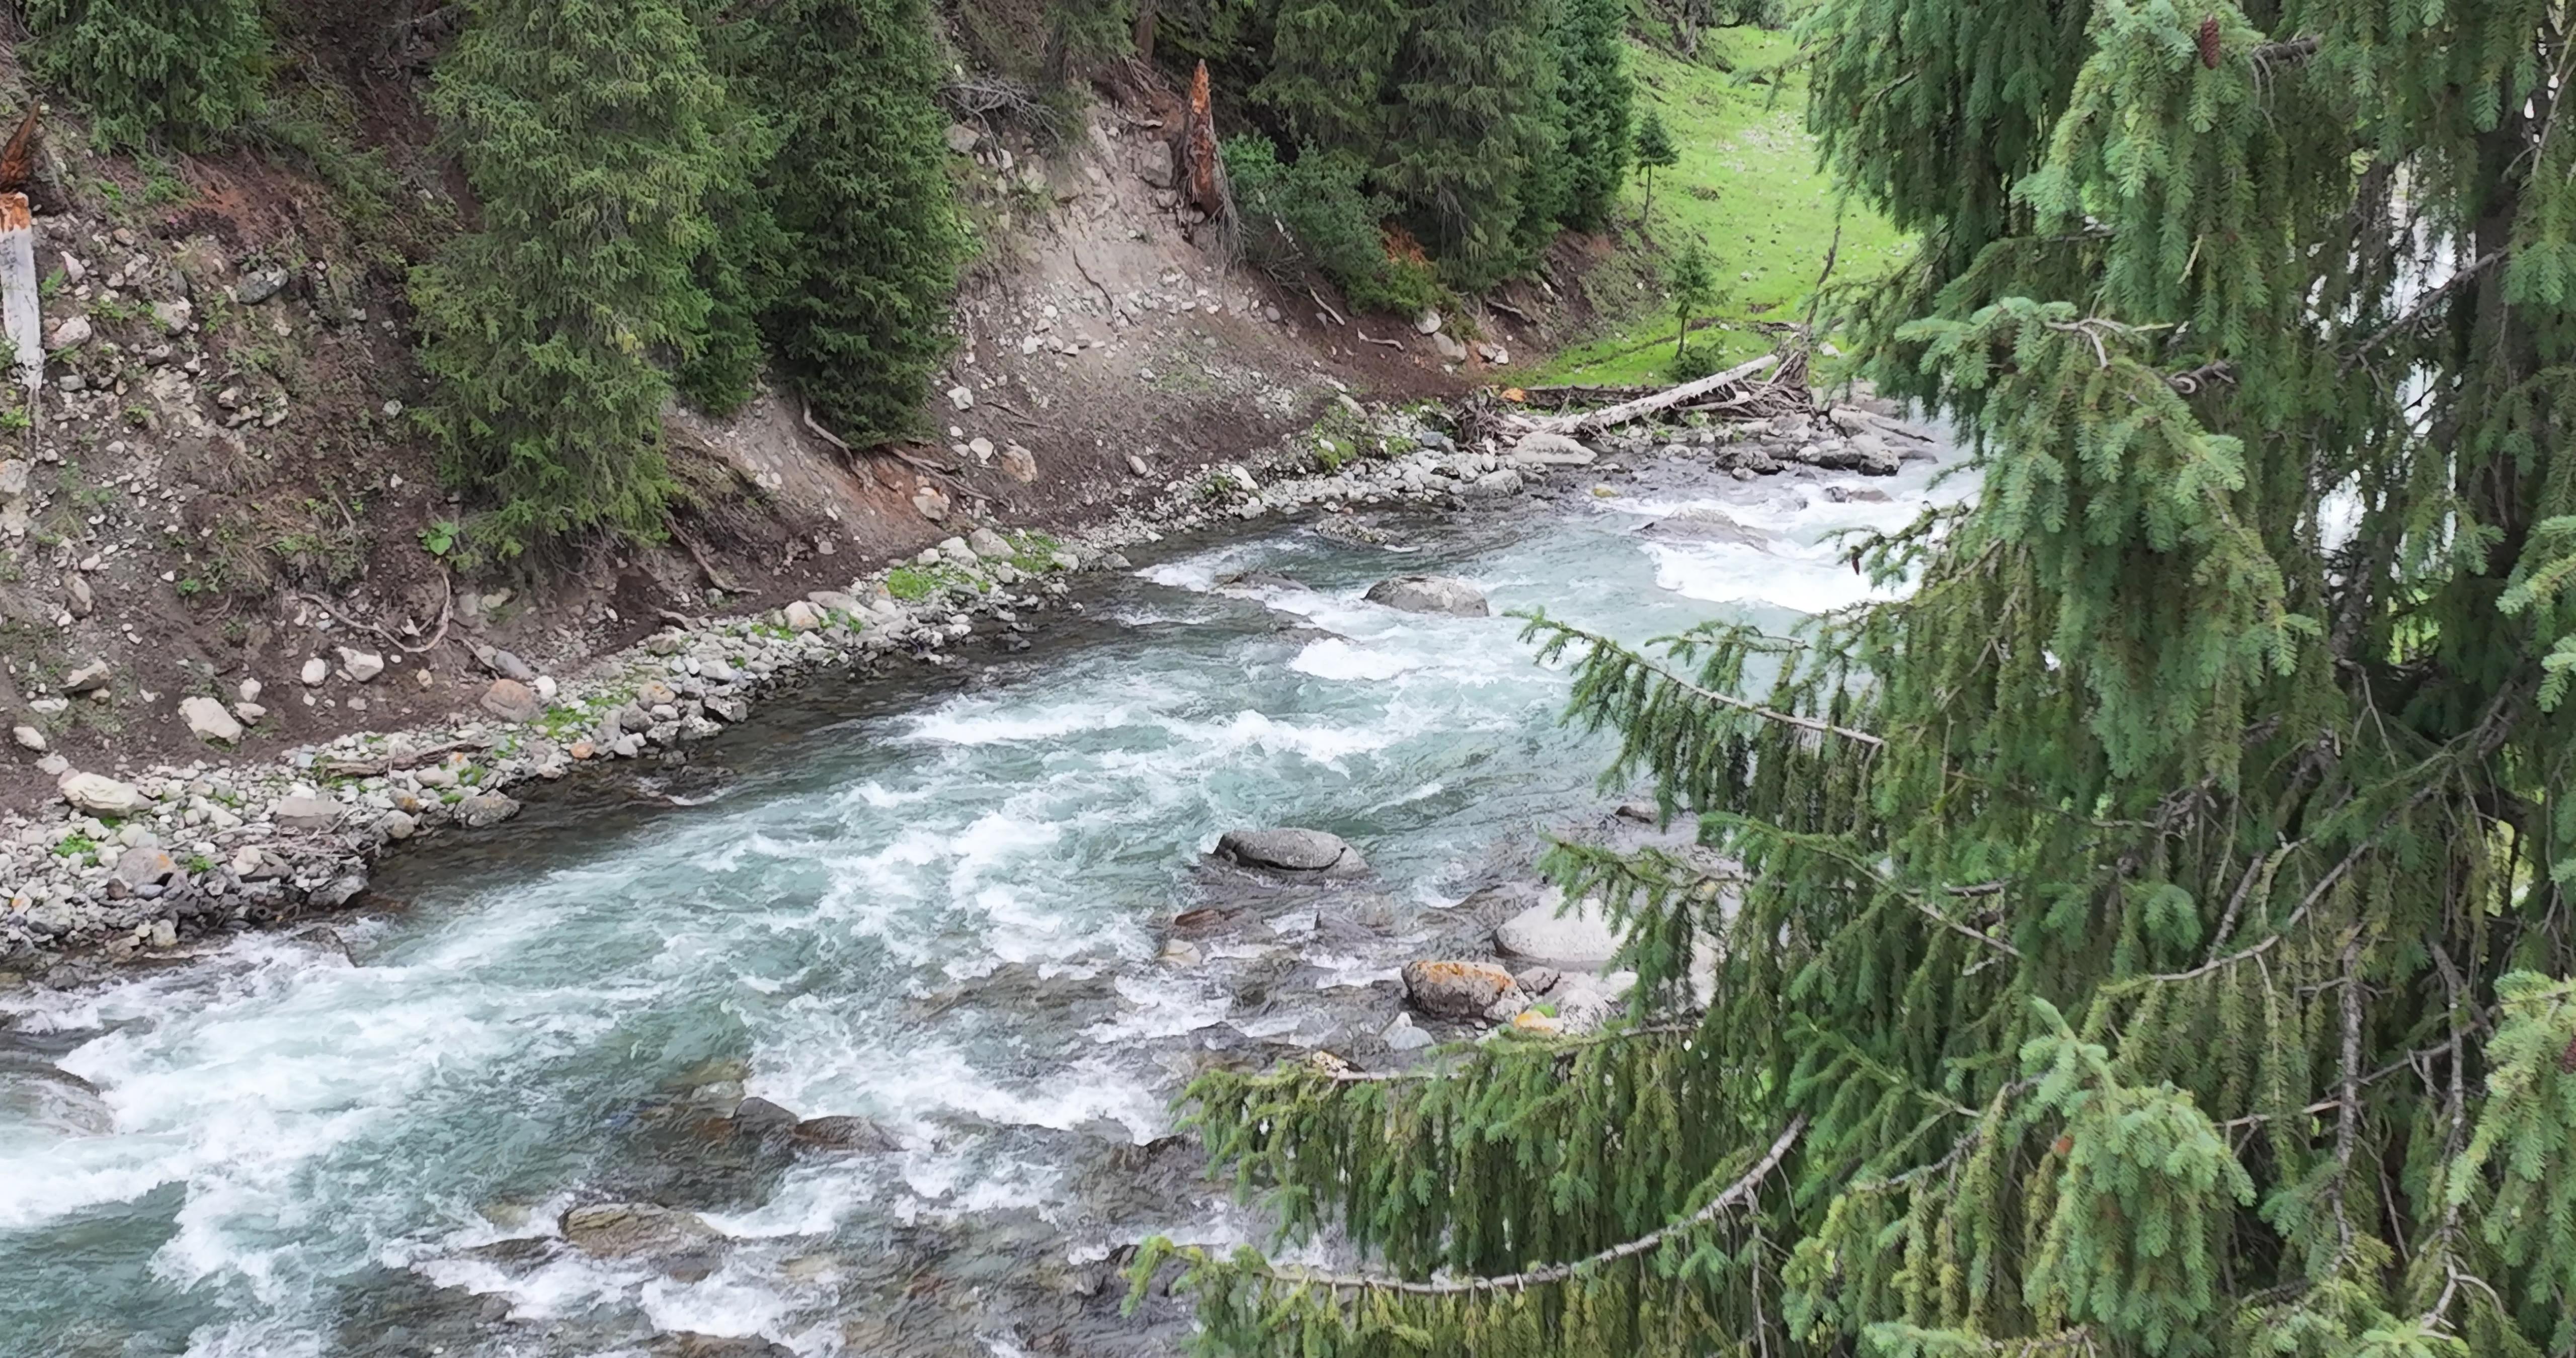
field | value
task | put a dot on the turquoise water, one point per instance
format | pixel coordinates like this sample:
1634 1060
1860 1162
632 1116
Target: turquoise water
933 901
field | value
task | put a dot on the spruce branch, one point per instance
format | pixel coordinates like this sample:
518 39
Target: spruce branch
1736 1195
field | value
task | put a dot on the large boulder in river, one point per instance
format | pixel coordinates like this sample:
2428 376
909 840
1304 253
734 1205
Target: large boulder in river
1579 939
1459 990
1430 594
628 1230
1293 851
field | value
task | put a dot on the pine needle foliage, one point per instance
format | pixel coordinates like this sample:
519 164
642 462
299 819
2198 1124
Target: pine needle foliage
146 70
2149 934
586 128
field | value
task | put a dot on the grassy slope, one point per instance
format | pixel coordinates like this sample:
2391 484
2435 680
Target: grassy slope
1748 190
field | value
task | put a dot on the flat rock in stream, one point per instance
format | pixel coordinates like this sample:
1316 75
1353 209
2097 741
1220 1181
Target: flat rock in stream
1430 594
1303 852
629 1230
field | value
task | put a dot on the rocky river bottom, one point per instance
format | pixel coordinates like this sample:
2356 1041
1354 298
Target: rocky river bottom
928 932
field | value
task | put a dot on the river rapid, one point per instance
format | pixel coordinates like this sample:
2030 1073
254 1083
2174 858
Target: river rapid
938 904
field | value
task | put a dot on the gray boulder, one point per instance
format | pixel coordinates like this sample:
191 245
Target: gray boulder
307 813
485 809
629 1230
1554 450
1291 850
1576 940
1430 594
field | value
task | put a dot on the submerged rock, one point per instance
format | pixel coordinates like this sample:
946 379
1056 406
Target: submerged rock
845 1132
52 1100
1457 989
1430 594
1701 523
1291 850
627 1230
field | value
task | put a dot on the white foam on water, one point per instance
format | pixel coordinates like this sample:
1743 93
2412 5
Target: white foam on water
994 722
1726 572
1335 658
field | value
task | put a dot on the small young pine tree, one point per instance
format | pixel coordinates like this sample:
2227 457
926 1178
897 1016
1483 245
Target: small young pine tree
1592 55
1693 286
184 70
584 128
1655 151
871 238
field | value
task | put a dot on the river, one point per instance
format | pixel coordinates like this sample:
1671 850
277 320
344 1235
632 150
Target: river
933 900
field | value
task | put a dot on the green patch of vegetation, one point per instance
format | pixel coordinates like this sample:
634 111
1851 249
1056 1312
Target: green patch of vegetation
1033 552
910 583
78 848
1745 189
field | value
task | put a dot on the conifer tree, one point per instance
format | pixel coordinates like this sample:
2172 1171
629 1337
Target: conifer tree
1655 151
180 69
1476 115
1598 108
1692 289
1330 65
585 131
2149 935
859 190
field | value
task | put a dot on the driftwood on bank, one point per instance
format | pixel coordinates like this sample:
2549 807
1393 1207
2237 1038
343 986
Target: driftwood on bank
1610 417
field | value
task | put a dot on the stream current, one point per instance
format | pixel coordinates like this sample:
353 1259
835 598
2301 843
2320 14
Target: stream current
935 904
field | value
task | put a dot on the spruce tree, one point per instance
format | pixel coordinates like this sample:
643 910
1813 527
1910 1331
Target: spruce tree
584 128
1476 113
1655 151
144 69
871 243
1329 70
2150 934
1592 56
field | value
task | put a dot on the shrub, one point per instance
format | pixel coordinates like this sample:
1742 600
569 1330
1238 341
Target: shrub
1311 216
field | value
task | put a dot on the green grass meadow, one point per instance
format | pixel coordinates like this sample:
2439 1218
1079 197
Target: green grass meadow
1748 190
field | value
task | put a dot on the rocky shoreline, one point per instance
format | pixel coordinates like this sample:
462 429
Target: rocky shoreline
146 863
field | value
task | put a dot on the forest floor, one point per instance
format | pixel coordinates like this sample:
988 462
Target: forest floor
1748 190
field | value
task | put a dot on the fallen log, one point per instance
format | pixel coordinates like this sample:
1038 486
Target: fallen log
1627 411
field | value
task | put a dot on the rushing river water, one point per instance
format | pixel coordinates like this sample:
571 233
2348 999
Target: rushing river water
934 903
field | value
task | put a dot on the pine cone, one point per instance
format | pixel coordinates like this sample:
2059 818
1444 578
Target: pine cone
2209 42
